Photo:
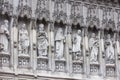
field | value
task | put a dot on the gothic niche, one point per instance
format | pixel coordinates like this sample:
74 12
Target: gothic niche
77 49
42 10
60 47
76 16
59 10
6 7
94 50
4 43
110 52
23 43
42 46
24 8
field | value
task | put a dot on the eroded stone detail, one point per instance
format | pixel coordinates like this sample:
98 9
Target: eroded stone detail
77 50
110 53
4 37
42 41
93 45
23 40
59 44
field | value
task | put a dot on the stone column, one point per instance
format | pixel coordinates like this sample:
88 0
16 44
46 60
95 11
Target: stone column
31 47
84 51
11 42
102 54
117 56
50 24
15 43
52 46
34 51
68 46
87 66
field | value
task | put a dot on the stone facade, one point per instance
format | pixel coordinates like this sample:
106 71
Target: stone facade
59 40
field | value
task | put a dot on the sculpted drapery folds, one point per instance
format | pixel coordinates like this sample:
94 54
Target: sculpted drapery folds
59 43
110 53
4 36
42 41
93 47
23 40
77 45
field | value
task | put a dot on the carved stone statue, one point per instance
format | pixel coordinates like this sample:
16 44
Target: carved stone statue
110 54
59 43
93 48
23 40
42 41
77 45
4 37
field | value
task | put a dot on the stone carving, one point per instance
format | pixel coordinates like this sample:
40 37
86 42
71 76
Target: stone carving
23 40
42 64
94 69
59 10
77 45
94 44
24 8
4 37
59 43
42 41
77 68
23 62
110 71
6 7
42 10
110 54
60 66
75 12
92 19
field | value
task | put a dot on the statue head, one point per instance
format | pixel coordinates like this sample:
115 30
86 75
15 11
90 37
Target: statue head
41 27
23 26
108 36
6 21
60 30
93 35
79 32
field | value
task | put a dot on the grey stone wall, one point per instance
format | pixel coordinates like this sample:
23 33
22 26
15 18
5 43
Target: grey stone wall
59 40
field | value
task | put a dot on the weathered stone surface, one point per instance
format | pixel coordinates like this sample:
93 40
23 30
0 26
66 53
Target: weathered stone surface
59 40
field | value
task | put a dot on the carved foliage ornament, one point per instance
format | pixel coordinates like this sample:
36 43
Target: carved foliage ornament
24 8
92 19
75 12
42 10
60 10
6 7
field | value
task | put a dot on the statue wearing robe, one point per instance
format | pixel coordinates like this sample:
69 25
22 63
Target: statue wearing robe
42 41
59 43
77 45
110 54
4 36
23 40
93 48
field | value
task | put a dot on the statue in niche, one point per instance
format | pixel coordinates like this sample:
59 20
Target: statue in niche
110 54
94 44
42 41
23 40
59 43
77 45
4 37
